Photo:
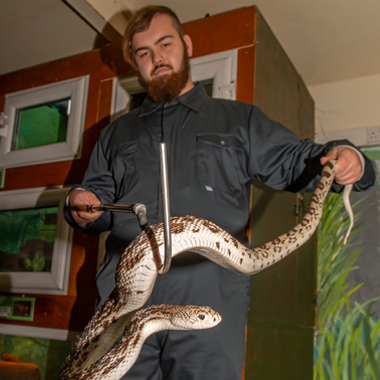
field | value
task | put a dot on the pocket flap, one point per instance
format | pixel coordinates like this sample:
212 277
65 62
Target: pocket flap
222 140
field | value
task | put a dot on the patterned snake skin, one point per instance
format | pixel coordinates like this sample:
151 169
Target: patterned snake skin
136 274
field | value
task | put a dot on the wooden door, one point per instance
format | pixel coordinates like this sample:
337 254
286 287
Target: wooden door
281 318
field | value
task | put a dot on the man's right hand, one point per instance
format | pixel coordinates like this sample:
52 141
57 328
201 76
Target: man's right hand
79 205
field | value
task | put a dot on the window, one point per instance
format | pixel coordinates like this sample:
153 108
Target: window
35 250
43 124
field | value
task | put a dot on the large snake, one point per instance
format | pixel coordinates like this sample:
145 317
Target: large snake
136 274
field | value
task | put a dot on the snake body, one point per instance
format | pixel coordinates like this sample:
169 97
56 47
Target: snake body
139 265
144 323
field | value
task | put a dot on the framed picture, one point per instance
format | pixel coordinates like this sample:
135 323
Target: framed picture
17 308
35 248
43 124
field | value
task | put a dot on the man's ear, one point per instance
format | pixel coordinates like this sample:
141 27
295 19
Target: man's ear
189 44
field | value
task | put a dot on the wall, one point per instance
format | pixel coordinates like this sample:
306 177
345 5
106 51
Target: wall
70 312
350 109
347 105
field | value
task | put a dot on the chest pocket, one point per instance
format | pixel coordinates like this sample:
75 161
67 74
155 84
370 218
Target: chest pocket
221 162
123 167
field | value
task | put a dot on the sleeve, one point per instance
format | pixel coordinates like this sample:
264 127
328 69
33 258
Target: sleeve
99 180
281 160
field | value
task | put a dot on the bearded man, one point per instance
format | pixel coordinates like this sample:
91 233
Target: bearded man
215 147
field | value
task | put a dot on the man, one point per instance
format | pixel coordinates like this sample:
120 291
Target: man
214 149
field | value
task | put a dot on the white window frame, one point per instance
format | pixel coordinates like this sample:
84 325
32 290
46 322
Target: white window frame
56 281
39 332
76 89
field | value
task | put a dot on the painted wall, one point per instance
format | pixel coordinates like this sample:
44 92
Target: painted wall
350 109
351 105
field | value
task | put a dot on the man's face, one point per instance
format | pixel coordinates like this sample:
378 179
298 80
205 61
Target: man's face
162 59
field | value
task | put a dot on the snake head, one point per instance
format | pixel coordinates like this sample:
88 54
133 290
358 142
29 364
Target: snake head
191 317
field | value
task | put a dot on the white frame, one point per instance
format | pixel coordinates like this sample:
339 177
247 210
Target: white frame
39 332
221 67
56 281
76 89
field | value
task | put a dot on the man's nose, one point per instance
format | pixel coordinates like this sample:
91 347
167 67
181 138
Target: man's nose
157 58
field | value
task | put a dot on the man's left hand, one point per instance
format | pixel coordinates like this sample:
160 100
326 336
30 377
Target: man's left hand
349 169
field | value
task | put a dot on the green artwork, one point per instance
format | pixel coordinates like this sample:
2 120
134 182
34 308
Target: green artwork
41 125
47 354
17 308
347 340
28 239
373 152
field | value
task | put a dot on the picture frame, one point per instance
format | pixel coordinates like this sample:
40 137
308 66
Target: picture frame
73 93
55 281
17 308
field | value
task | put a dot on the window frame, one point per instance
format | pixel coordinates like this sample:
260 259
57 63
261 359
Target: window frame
56 281
76 89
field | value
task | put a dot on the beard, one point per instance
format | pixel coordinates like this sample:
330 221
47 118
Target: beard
167 87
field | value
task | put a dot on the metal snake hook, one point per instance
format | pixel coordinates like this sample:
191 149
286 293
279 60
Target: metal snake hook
165 208
138 209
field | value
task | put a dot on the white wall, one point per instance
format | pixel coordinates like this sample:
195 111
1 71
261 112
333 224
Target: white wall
346 108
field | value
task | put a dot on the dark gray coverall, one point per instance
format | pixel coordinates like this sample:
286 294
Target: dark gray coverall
215 147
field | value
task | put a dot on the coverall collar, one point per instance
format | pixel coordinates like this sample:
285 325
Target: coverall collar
192 99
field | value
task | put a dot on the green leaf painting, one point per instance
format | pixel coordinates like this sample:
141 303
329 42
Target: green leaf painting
20 226
347 342
27 238
35 265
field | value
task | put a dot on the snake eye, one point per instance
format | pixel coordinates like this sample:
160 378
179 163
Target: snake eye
201 317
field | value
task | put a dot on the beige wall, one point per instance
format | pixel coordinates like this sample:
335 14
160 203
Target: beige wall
349 106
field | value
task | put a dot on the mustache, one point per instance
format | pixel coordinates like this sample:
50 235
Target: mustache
160 66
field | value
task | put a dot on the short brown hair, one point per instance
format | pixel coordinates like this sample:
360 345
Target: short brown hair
139 22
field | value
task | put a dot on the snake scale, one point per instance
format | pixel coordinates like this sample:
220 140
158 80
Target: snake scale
91 357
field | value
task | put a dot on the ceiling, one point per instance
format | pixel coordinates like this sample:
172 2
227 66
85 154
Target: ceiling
327 40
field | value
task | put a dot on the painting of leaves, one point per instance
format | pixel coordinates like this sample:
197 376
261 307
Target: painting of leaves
347 339
27 239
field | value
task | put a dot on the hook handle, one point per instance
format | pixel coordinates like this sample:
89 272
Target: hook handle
165 208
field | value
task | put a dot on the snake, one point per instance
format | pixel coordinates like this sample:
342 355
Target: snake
93 355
